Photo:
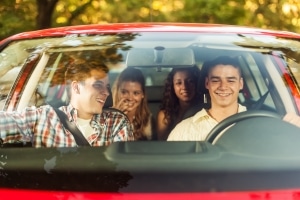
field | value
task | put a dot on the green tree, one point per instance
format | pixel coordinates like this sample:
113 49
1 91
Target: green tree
216 11
73 12
274 14
45 9
16 17
24 15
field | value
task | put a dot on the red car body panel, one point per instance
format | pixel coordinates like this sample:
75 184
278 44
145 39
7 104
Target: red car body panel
147 27
290 83
55 195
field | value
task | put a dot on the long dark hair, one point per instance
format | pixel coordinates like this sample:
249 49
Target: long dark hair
170 102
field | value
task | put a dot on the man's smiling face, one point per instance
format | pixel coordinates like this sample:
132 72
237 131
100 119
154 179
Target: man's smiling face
224 83
92 94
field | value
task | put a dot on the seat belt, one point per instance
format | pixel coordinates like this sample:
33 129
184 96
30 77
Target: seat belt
79 138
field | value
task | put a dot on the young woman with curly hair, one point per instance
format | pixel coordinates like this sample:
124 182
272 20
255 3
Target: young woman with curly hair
129 96
180 93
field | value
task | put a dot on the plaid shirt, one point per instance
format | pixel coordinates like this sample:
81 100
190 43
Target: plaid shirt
43 128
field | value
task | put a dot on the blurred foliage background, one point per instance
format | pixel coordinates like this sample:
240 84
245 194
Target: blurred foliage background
26 15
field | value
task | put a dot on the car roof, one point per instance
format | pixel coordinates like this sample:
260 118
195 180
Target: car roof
149 27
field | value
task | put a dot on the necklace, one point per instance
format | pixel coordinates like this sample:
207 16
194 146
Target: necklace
209 113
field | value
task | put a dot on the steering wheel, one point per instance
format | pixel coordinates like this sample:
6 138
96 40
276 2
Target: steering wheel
238 118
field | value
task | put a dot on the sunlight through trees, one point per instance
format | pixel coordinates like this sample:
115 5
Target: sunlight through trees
23 15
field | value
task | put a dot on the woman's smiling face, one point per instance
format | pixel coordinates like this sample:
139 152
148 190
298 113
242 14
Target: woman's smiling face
132 94
184 86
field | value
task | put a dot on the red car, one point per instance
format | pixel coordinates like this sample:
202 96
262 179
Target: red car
258 158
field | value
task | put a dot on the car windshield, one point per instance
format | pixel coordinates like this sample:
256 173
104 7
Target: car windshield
141 49
32 74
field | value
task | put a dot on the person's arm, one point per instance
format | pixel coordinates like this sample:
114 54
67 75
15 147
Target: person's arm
125 132
161 126
292 118
17 126
122 130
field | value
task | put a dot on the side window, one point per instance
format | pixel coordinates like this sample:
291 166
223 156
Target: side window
7 79
294 69
11 62
50 87
255 94
16 57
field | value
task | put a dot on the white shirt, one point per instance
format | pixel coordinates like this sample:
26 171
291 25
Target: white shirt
85 127
196 128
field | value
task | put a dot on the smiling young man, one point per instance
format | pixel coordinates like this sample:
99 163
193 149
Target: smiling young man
88 87
223 81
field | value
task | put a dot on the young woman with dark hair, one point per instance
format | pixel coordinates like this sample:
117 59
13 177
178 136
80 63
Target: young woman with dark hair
180 93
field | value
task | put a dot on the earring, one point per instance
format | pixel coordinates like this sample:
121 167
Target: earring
204 98
77 88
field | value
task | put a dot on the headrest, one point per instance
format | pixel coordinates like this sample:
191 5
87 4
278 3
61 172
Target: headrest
160 56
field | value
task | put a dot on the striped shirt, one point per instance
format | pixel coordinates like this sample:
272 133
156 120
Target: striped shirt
42 127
